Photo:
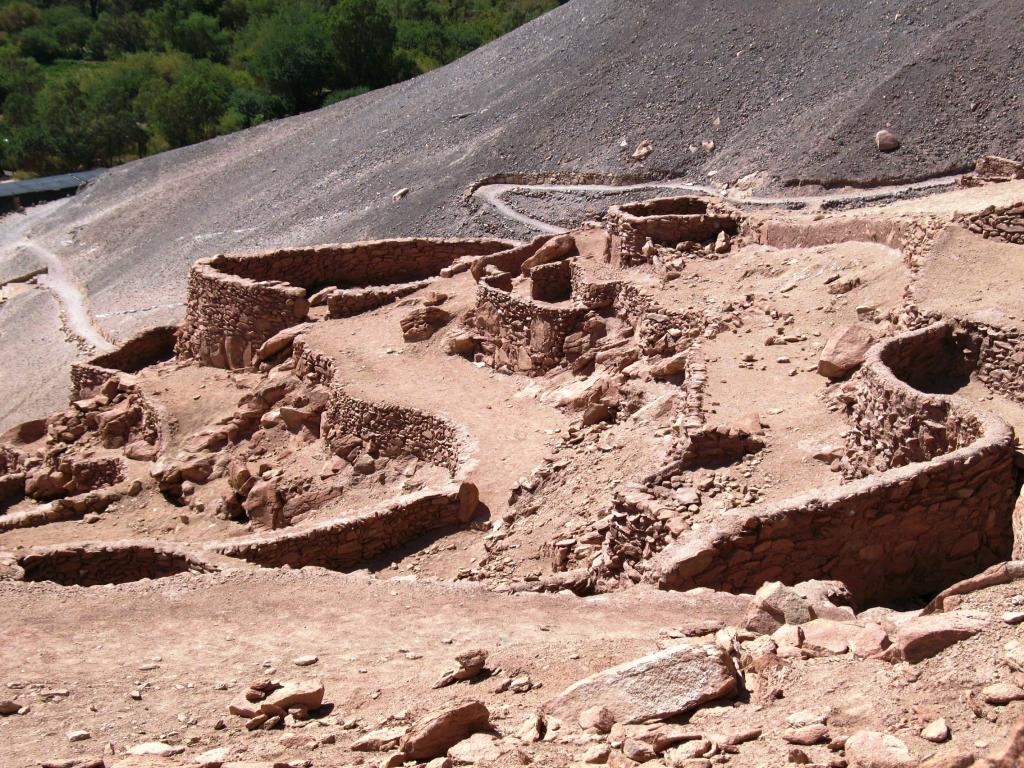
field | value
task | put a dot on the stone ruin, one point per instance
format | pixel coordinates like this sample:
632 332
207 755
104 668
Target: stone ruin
931 480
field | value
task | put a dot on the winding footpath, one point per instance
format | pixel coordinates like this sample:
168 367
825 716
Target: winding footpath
71 298
493 195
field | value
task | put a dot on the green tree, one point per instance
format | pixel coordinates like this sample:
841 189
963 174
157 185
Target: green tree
40 44
290 53
17 16
363 34
114 34
189 108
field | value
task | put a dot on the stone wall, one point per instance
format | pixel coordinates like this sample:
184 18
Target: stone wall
667 221
89 564
392 430
998 355
148 348
912 236
907 532
1006 224
235 303
898 425
551 282
350 542
527 336
346 302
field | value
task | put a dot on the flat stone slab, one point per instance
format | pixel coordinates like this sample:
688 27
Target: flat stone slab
652 687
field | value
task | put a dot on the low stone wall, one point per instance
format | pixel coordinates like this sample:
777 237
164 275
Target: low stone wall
912 236
907 532
391 429
527 336
1006 224
89 564
551 282
148 348
668 221
346 302
998 355
350 542
67 508
235 303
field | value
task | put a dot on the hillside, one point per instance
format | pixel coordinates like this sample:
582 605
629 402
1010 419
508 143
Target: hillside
794 94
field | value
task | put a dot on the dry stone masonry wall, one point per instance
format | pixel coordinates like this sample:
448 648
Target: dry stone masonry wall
235 303
528 336
899 535
350 542
89 564
1006 224
667 221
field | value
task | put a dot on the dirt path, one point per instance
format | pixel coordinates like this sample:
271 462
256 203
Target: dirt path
493 195
72 300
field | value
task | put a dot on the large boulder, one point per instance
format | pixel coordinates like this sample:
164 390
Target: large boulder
434 734
871 749
653 687
844 350
924 636
280 341
421 323
265 506
556 248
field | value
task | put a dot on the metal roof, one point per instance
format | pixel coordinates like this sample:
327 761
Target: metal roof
58 183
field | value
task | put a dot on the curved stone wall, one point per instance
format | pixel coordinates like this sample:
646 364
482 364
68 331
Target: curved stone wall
347 543
89 564
235 303
148 348
901 534
667 220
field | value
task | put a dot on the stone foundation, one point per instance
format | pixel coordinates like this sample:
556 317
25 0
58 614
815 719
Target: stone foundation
666 221
527 336
235 303
1006 224
902 534
88 564
349 542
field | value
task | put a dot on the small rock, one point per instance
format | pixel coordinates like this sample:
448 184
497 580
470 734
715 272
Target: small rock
807 735
305 661
79 735
598 719
937 731
155 748
381 740
8 707
886 141
1001 694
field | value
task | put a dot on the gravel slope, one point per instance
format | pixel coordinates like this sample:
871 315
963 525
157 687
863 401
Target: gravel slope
798 91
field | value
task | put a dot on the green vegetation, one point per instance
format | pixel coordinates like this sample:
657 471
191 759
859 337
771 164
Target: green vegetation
87 83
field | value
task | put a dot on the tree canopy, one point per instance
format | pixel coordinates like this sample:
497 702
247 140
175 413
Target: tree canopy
85 83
